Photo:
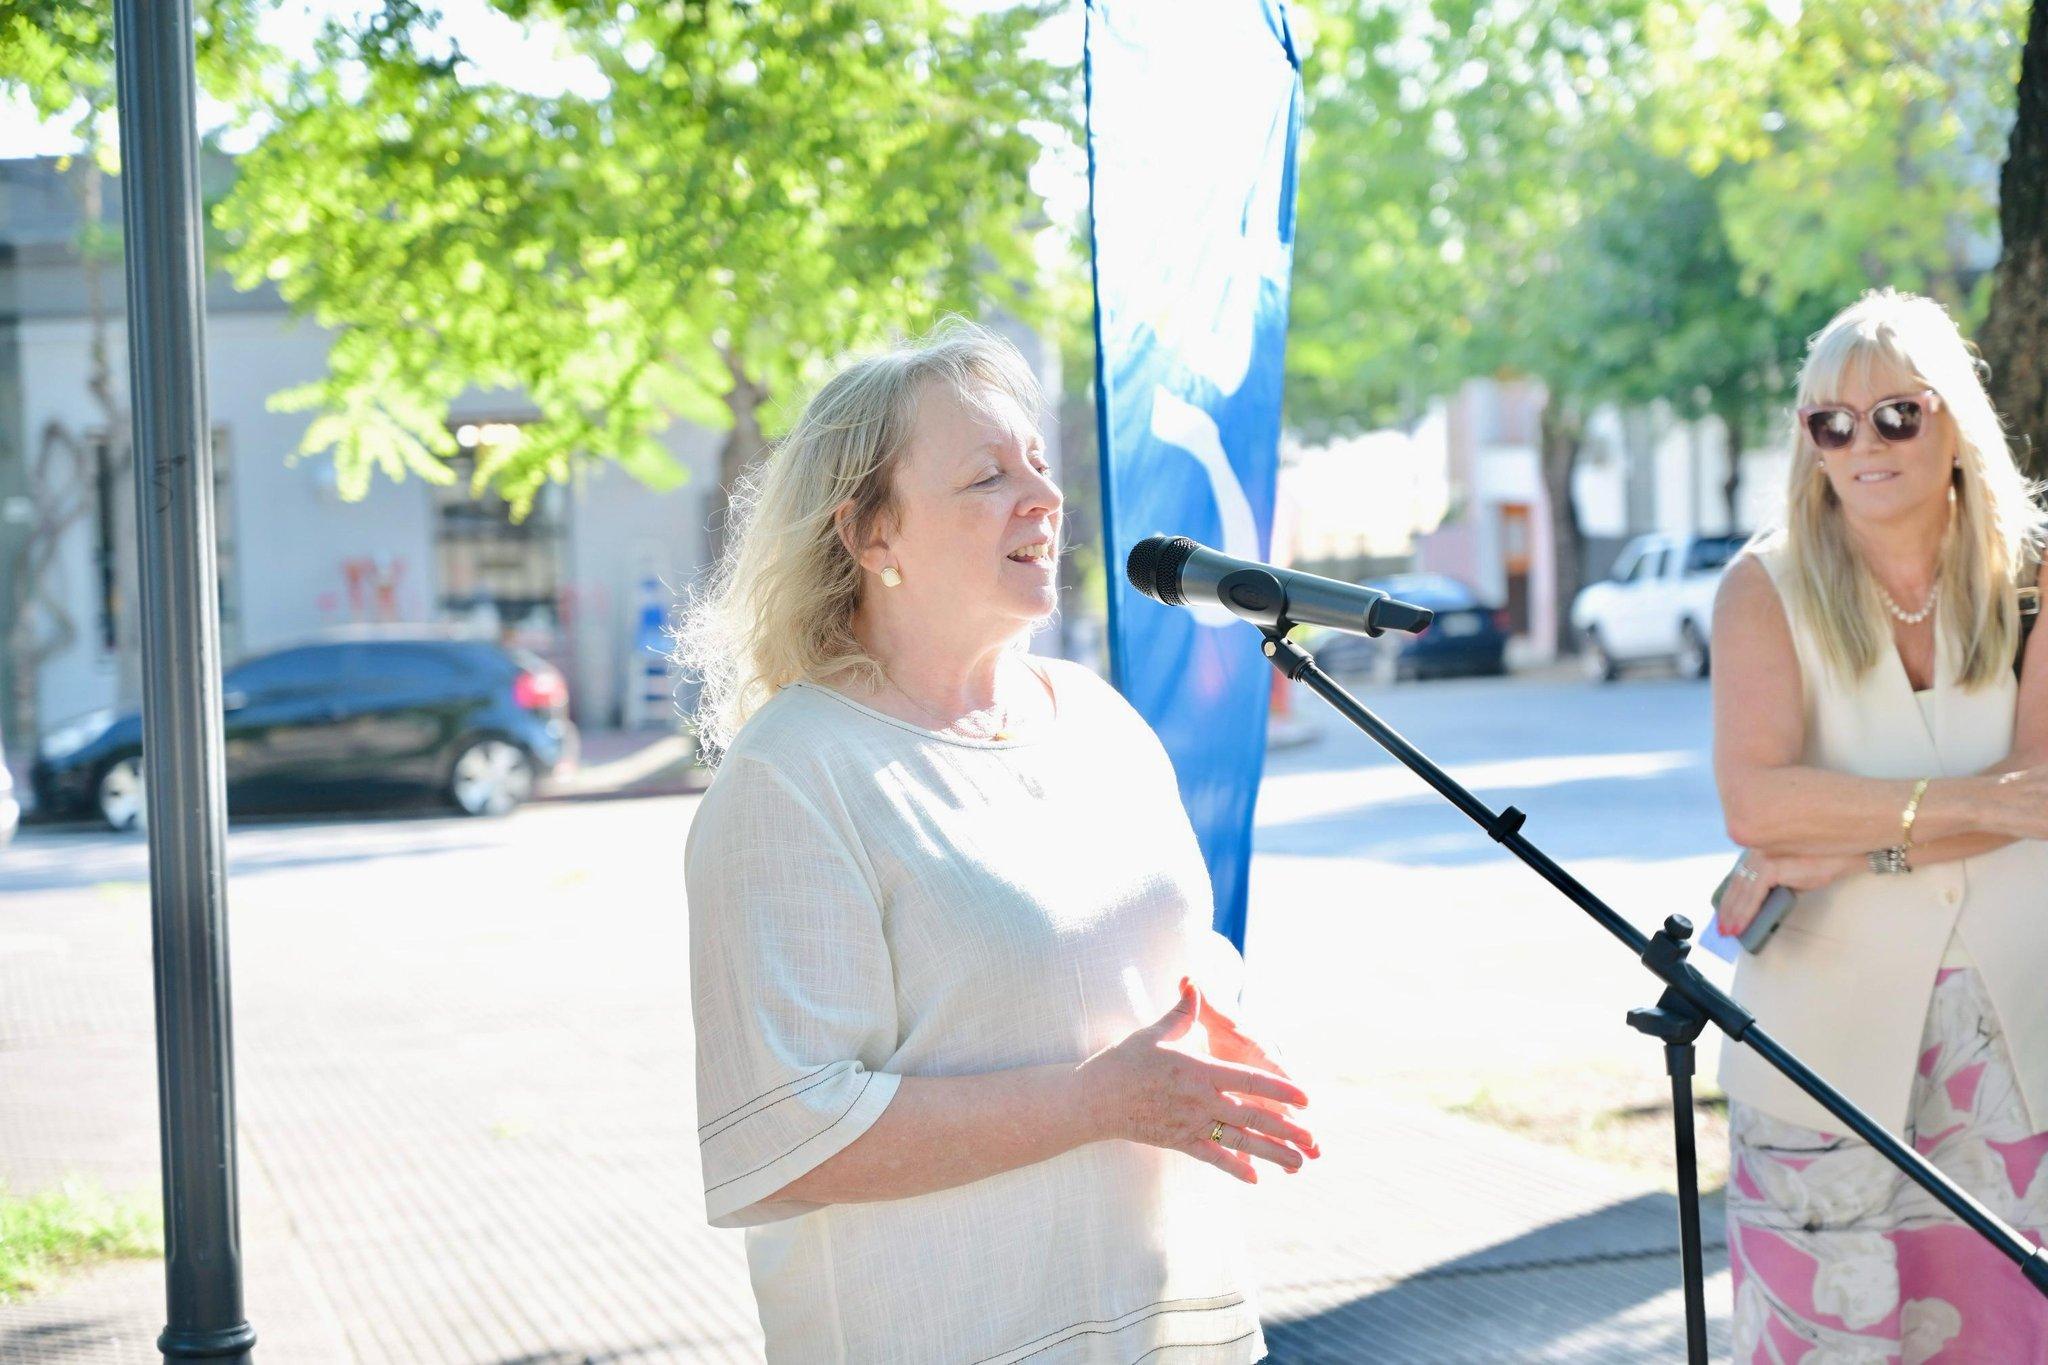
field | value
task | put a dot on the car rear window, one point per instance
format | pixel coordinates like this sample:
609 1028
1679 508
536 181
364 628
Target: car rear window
1713 552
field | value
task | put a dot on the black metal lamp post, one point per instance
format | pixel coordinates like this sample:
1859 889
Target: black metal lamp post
181 704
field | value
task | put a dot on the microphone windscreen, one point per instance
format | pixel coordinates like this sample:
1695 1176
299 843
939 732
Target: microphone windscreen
1154 565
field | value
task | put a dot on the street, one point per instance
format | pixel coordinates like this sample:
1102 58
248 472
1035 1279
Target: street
464 1057
1374 894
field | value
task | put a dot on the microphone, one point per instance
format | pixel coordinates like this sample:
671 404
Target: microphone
1181 573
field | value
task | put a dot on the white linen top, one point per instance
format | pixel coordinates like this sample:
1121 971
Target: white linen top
870 900
1845 980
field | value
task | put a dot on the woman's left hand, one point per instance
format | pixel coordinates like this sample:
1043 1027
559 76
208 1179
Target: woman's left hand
1228 1043
1799 871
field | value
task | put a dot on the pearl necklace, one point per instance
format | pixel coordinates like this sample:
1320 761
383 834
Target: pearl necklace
1911 618
1002 733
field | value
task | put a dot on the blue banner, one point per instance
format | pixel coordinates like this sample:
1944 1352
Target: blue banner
1194 113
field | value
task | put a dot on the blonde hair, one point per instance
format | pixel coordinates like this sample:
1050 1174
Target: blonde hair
1884 334
779 607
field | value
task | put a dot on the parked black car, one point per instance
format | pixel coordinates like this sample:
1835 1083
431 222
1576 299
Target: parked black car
1467 636
344 720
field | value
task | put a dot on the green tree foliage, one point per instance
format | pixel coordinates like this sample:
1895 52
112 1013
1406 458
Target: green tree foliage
760 186
1446 158
1455 152
1648 303
60 53
1868 133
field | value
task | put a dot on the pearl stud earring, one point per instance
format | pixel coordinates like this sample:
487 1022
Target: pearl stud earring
890 578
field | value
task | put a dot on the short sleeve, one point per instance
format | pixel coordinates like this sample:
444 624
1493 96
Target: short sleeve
792 992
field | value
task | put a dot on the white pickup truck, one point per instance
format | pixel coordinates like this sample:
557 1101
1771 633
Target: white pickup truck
1658 604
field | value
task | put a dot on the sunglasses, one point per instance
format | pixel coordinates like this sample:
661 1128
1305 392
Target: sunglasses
1833 425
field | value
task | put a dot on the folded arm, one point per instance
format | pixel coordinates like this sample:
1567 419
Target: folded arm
1773 802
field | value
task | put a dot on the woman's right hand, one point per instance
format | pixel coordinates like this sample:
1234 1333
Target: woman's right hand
1145 1091
1798 871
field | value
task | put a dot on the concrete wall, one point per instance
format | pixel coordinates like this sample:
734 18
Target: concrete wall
295 535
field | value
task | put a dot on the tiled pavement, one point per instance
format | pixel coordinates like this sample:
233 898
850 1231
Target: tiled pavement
467 1137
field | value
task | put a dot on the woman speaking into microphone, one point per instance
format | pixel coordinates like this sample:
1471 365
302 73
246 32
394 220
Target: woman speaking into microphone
949 925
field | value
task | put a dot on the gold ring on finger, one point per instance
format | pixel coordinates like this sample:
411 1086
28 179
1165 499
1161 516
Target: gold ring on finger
1216 1133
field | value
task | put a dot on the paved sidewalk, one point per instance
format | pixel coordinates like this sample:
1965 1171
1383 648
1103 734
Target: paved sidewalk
628 763
467 1134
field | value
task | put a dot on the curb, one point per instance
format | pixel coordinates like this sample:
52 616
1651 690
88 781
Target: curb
686 786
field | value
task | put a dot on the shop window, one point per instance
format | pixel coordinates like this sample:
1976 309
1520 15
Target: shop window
502 578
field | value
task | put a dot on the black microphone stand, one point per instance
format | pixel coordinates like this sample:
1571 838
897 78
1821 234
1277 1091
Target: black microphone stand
1689 1002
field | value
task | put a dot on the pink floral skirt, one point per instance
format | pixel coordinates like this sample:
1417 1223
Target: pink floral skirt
1837 1257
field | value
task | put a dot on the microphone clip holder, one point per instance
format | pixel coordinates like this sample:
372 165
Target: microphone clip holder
1261 599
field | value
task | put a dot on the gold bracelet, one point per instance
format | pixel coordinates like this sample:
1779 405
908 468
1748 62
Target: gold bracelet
1912 809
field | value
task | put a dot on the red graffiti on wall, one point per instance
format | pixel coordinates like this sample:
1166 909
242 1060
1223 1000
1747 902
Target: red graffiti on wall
373 587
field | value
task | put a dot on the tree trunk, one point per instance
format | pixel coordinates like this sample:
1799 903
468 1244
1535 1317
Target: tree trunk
742 444
1732 421
1562 435
59 493
2015 333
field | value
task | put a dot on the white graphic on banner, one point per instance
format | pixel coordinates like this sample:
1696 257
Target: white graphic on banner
1181 424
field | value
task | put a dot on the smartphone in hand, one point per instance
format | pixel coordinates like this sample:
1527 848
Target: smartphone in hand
1777 903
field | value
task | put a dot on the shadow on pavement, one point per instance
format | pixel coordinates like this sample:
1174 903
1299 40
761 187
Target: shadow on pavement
1546 1295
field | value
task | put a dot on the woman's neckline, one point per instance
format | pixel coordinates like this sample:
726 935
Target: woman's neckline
1035 736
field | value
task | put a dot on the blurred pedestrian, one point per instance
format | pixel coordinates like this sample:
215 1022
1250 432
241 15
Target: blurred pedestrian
945 905
1876 752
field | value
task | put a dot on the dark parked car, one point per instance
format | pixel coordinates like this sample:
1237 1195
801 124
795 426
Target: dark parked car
1466 637
345 719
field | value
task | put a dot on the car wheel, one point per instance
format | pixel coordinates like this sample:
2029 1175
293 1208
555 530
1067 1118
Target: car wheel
490 777
121 797
1599 664
1692 652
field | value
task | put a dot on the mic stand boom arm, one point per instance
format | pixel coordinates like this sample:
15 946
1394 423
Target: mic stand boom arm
1689 1002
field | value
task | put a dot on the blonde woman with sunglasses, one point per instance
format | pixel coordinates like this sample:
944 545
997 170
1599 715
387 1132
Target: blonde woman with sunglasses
1879 745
